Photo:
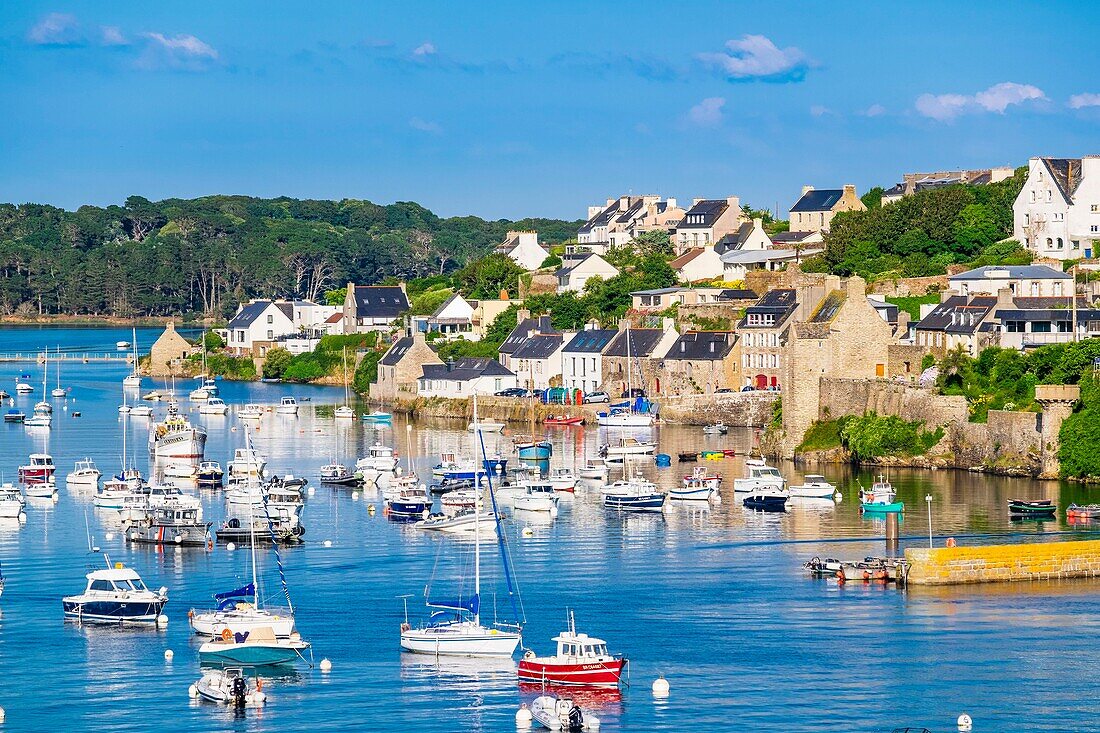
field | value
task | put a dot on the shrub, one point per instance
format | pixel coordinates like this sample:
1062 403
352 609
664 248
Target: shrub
875 436
276 362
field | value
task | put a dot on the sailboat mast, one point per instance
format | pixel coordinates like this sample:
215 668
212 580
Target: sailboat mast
345 376
477 518
134 342
251 517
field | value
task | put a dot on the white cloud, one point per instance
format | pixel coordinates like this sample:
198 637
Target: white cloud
998 98
707 113
432 128
756 57
819 110
56 29
111 35
424 50
875 110
1088 99
184 45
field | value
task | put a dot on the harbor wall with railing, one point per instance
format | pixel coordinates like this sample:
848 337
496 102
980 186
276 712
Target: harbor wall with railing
1003 563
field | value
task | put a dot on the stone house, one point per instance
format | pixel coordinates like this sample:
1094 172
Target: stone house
373 307
706 222
168 352
763 331
702 362
578 269
634 356
582 359
1057 213
526 327
462 378
815 209
843 337
958 320
524 249
401 367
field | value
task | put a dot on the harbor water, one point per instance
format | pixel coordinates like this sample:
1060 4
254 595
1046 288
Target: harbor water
713 598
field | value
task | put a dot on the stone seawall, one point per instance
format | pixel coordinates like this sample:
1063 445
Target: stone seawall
736 409
1002 563
840 397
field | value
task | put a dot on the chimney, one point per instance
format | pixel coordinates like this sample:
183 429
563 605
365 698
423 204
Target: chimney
1004 298
849 189
609 203
522 315
758 223
734 203
624 323
593 210
807 189
695 201
667 324
671 202
450 364
624 203
503 294
1090 166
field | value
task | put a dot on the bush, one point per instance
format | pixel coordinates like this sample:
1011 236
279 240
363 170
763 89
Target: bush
327 360
213 341
366 372
875 436
230 367
276 363
1079 449
822 435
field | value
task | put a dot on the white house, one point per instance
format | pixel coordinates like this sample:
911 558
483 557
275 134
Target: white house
736 263
1028 281
454 318
697 265
524 249
582 359
576 270
464 378
538 360
1057 213
621 220
259 323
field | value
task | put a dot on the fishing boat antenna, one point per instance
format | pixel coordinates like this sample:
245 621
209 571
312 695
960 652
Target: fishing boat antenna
88 532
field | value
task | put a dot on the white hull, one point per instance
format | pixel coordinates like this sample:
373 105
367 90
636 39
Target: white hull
486 427
463 524
754 486
287 410
240 622
83 480
187 443
812 492
693 494
546 504
10 509
626 421
464 640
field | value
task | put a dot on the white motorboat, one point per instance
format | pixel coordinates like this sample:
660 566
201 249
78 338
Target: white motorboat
198 395
718 428
23 387
176 437
122 345
228 686
338 473
131 381
634 495
759 476
594 470
117 494
381 458
11 502
462 523
560 713
287 406
172 496
693 489
246 462
179 469
563 479
537 497
213 406
40 419
44 490
628 447
250 411
116 595
84 475
152 396
141 411
813 487
486 426
458 501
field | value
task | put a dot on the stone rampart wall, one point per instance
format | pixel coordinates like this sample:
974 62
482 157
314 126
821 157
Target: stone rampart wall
1000 563
840 397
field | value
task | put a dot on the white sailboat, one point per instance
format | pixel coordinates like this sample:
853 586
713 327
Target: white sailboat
133 380
44 407
344 412
625 417
58 391
461 633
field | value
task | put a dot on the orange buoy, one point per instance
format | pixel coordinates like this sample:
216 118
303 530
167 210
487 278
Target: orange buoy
951 542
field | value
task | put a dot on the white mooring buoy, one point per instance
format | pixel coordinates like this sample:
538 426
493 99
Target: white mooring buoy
231 547
523 717
328 543
965 723
660 687
326 665
192 692
168 654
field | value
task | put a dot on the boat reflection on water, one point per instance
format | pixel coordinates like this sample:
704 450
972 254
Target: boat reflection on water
810 504
603 699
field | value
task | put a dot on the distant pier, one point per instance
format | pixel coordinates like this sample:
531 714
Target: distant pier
70 356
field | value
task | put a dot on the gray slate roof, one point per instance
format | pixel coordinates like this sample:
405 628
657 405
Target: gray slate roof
466 369
591 342
702 346
248 314
709 209
380 301
818 200
519 333
538 347
642 342
968 312
1015 272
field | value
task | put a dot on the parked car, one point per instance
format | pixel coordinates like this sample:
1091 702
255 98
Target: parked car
724 390
597 397
513 392
748 388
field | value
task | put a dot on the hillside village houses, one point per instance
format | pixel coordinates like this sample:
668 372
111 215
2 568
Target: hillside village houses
260 324
623 219
582 358
815 208
458 317
578 268
537 362
463 378
1057 213
524 249
373 307
706 222
526 328
401 367
633 357
911 183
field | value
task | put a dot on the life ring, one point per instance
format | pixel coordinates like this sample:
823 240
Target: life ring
951 542
227 635
405 627
528 654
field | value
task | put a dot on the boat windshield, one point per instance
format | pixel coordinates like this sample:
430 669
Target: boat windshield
767 472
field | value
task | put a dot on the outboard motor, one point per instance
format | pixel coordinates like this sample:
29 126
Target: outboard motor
576 719
240 690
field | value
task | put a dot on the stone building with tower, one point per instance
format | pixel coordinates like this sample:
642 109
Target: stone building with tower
168 353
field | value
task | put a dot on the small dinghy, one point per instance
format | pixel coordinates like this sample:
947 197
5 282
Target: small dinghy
826 568
1023 508
559 713
563 420
228 687
1085 511
689 457
718 428
766 501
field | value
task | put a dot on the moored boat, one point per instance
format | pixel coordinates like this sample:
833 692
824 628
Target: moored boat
580 660
560 713
118 595
39 469
759 476
532 449
229 687
84 475
766 500
287 406
377 417
633 495
1027 508
564 420
1086 511
256 648
176 437
813 486
171 525
880 498
486 426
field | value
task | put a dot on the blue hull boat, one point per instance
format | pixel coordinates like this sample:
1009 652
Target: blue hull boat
408 510
537 451
113 612
644 503
766 503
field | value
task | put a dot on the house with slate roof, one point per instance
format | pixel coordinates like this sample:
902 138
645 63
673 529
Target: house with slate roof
401 367
537 360
373 307
526 328
1057 213
463 378
260 324
524 249
763 331
959 320
911 183
658 299
1027 323
577 269
702 362
621 220
706 222
582 359
815 208
1034 281
637 353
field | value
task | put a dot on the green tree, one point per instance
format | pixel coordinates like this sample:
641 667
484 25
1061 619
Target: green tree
655 241
336 297
873 198
486 277
213 341
275 363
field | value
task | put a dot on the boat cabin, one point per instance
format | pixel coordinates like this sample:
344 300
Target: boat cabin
115 580
288 402
580 645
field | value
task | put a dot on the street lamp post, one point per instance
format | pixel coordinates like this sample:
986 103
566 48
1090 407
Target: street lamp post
928 500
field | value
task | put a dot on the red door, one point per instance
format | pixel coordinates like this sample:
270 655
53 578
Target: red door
761 381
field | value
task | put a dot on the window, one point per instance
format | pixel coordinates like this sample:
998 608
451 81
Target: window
1095 209
240 336
1032 196
1059 243
1034 290
1057 288
1075 243
1027 220
1094 228
1014 326
270 334
101 585
1064 327
270 318
1050 196
1040 327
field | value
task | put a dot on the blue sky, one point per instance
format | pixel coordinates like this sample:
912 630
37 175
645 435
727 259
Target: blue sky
511 110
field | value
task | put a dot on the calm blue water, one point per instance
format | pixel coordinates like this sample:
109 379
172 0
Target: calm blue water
714 600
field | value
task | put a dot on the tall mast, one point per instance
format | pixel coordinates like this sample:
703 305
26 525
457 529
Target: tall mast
134 342
251 518
477 519
345 376
1073 302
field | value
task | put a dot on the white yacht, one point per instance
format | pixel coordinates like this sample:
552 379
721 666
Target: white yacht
176 437
84 475
11 502
759 476
116 595
380 457
287 406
